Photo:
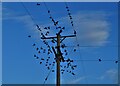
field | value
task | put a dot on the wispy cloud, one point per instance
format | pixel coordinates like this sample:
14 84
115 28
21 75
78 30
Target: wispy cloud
92 27
111 74
78 80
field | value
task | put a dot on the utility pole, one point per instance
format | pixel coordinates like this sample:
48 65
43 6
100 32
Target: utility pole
58 55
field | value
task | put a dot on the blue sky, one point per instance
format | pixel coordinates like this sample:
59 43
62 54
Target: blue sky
96 25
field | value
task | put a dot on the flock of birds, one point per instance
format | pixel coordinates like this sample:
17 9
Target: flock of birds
69 67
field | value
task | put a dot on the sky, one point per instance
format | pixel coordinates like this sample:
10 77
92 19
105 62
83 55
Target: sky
97 34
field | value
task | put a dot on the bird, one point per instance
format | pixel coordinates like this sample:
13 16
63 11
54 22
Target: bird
48 68
48 27
78 45
68 10
100 60
48 11
69 13
73 74
66 53
37 48
34 55
62 72
45 78
45 64
48 57
52 41
40 62
63 28
52 70
65 50
116 61
45 28
42 58
38 51
41 48
37 57
50 17
38 4
33 45
29 36
49 64
66 6
74 50
72 24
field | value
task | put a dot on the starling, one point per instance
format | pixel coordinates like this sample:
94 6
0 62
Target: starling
37 48
48 68
42 58
38 4
73 74
74 32
34 55
29 36
52 70
38 51
78 45
116 61
100 60
40 62
67 7
37 57
74 50
41 48
33 45
48 11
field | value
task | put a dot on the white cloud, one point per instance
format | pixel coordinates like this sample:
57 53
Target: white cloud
77 81
92 27
111 74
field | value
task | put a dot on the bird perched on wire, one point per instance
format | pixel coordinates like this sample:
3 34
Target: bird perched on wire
38 4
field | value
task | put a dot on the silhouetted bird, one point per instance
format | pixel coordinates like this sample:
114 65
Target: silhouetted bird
65 50
52 70
50 17
45 78
62 72
116 61
52 41
74 50
41 48
48 27
45 28
42 58
64 66
69 13
45 64
48 68
48 11
63 45
34 55
33 45
63 28
49 64
38 51
68 10
29 36
78 45
66 53
72 24
100 60
48 57
47 60
53 62
37 57
37 48
73 74
40 62
59 27
66 6
38 4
